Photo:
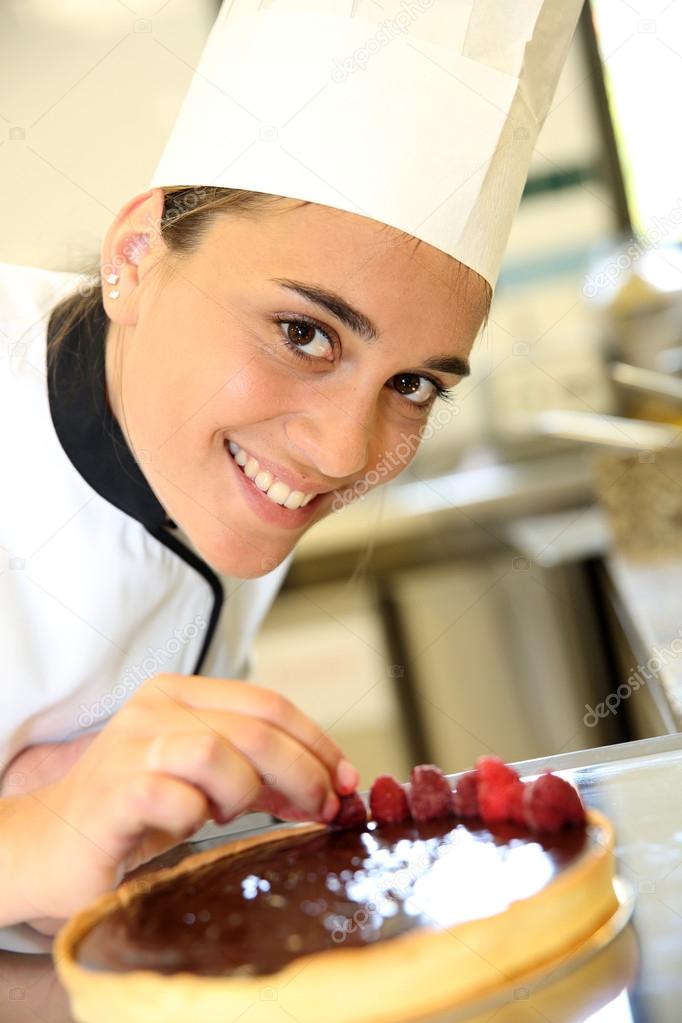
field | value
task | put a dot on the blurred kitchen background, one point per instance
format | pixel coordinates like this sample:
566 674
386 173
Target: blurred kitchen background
518 589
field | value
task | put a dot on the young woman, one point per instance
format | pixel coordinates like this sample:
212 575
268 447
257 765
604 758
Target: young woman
254 358
245 362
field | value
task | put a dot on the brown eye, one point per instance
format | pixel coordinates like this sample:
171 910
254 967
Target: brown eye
419 390
306 339
300 333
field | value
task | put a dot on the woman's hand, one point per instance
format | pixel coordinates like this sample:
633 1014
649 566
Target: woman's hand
183 749
42 764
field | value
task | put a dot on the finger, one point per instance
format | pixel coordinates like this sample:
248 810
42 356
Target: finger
281 761
147 800
201 692
207 759
269 800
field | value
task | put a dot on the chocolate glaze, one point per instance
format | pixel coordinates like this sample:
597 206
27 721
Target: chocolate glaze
254 912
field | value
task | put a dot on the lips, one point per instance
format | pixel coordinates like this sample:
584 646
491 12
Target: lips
274 489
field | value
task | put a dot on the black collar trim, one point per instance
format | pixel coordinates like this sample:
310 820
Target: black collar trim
94 443
86 427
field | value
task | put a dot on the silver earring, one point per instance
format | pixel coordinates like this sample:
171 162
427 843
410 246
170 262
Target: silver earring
113 279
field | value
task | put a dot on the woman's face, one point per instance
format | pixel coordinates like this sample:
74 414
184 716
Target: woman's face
233 360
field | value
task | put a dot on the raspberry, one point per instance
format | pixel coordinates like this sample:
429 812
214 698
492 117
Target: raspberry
493 770
352 812
465 795
388 801
429 795
515 807
500 791
550 804
499 803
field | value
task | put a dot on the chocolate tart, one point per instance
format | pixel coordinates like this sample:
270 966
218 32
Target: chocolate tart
375 925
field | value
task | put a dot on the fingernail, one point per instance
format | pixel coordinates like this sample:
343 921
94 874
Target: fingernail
347 777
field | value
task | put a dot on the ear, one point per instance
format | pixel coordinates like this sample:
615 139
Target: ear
133 244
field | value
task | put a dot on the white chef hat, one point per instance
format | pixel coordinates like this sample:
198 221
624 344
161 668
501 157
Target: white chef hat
421 114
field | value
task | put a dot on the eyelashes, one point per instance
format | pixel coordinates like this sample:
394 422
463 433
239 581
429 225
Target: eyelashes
296 348
441 392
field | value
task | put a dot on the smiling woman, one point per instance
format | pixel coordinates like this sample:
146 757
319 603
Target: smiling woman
302 281
304 382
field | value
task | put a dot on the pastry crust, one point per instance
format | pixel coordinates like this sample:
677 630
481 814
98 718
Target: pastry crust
421 972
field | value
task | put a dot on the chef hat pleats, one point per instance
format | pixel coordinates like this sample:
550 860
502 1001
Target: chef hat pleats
421 114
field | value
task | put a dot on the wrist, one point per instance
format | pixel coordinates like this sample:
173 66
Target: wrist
47 925
42 764
26 825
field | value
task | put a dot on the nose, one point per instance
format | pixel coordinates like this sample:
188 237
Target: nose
334 440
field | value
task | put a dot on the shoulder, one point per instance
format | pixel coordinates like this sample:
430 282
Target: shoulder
28 292
27 296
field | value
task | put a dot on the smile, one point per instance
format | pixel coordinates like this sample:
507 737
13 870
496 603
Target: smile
274 489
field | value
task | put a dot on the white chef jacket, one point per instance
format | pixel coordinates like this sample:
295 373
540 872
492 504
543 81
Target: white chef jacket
99 589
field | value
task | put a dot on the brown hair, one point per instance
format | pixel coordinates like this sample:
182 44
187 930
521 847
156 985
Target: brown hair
188 212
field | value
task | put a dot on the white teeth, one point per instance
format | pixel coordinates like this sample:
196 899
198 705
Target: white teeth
274 489
251 468
263 480
294 500
279 492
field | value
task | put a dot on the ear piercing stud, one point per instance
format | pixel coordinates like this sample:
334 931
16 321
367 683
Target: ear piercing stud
113 279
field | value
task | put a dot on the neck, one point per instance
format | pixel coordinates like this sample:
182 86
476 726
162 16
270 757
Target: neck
113 352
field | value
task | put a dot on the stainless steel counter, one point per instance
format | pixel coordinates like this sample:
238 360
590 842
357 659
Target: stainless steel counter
544 509
477 494
648 601
637 979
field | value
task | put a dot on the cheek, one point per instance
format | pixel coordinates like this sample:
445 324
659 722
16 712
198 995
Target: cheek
177 398
391 462
257 389
393 447
394 450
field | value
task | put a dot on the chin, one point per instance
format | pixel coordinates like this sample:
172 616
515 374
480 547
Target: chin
230 557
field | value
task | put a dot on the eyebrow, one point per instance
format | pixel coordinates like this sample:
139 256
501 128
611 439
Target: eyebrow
361 324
